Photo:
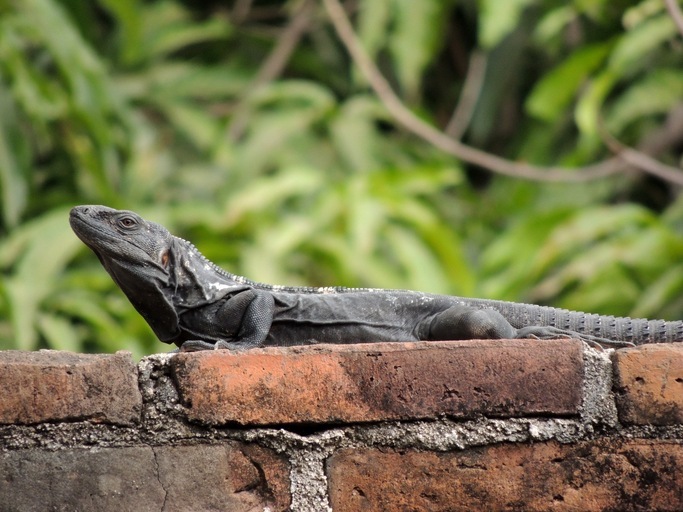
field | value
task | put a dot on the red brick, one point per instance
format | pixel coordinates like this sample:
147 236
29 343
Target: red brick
604 475
62 386
382 381
649 384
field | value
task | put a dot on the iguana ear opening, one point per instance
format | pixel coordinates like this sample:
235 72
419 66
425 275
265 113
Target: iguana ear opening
165 258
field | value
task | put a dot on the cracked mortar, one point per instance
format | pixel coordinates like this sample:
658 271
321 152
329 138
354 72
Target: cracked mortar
599 404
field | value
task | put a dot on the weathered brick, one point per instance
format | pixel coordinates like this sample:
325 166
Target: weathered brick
230 476
649 384
62 386
382 381
99 479
635 475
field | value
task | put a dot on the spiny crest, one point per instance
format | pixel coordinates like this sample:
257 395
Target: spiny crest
264 286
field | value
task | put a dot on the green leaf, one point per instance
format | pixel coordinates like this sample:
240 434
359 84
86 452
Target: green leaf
633 50
373 21
130 25
663 296
634 16
609 276
39 96
418 263
193 121
449 249
48 245
271 191
283 124
92 110
656 93
59 333
301 94
512 259
552 24
79 65
589 106
198 82
275 244
366 218
555 91
611 291
417 34
601 257
587 226
13 185
498 18
170 29
355 135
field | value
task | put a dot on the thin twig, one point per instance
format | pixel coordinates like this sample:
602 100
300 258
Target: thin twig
240 11
675 13
668 135
439 139
462 115
273 66
641 160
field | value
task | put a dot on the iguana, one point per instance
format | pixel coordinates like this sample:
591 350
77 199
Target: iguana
189 301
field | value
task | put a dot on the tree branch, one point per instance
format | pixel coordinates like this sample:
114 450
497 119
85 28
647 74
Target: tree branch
675 13
641 160
439 139
462 115
240 11
274 64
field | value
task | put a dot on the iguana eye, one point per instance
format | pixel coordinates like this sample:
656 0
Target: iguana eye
127 222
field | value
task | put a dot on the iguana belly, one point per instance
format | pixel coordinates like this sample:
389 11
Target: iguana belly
355 317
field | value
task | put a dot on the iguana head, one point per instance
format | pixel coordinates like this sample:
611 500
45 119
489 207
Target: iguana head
137 254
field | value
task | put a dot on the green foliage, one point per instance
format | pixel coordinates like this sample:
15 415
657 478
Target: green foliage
654 94
553 94
306 179
577 256
410 31
498 19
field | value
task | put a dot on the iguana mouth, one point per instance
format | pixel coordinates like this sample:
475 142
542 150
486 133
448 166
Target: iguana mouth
91 227
89 232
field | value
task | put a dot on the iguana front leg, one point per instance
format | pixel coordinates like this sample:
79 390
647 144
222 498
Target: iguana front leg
257 317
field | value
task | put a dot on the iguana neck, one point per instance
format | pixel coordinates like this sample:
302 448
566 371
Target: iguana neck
195 280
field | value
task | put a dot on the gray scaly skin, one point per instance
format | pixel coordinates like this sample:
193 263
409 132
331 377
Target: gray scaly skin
189 301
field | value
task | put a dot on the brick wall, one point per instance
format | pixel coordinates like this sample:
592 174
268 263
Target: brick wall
478 425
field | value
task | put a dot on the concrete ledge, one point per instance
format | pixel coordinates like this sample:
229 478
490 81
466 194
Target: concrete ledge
62 386
381 381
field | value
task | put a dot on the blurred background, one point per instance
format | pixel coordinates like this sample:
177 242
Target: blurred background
522 150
